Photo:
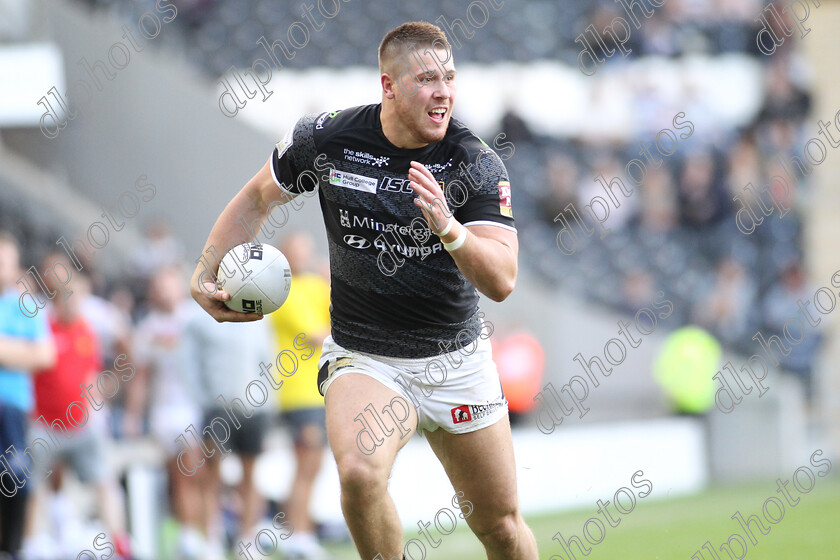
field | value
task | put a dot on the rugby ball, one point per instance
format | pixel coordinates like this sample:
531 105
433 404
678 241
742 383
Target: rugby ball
260 278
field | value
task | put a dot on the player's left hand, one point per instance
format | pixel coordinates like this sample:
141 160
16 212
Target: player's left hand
430 198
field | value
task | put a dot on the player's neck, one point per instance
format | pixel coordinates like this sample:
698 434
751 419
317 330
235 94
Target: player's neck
395 132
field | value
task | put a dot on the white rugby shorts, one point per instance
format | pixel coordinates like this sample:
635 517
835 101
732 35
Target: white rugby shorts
456 391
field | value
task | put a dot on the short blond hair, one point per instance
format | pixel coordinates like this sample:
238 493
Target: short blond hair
415 34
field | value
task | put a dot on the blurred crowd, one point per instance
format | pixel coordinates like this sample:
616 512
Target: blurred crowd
677 232
156 367
219 34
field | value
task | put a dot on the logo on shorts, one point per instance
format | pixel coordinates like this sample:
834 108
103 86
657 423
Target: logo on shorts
461 414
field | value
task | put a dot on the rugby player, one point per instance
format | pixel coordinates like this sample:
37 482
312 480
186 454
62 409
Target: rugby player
379 167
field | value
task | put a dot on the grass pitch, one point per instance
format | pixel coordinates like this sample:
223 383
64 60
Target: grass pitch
674 529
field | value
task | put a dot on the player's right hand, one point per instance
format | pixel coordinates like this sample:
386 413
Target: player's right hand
211 298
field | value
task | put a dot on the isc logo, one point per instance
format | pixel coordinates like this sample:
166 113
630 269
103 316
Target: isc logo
393 184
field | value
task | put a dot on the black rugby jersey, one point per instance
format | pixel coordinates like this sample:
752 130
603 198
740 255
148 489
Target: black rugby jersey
394 290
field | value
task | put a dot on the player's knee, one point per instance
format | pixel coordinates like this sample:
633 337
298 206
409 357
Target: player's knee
360 474
498 533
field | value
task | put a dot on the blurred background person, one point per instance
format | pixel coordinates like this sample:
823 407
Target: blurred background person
222 359
306 311
659 211
684 368
726 308
159 248
562 173
520 361
112 326
25 346
782 304
702 197
161 387
83 449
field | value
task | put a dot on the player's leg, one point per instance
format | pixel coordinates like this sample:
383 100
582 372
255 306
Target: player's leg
88 457
308 459
363 473
248 444
186 505
12 516
166 424
40 540
252 501
481 465
112 508
209 482
13 505
36 530
309 435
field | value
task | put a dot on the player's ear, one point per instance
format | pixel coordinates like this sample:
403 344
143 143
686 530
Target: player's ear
388 86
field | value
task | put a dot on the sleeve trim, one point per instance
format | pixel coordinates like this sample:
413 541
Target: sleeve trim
489 223
273 175
280 185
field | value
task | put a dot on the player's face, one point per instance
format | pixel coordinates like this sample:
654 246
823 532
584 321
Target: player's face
424 99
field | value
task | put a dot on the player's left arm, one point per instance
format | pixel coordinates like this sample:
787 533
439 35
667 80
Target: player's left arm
487 258
488 255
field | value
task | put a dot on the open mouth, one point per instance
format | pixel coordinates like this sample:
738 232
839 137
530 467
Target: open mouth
438 115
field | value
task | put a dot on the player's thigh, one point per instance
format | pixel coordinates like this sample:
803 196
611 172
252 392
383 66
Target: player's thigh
354 403
481 465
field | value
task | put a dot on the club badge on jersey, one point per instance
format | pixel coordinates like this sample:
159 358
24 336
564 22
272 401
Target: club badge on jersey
504 199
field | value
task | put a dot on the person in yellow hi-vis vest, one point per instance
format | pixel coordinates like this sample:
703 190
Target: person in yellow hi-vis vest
305 312
685 369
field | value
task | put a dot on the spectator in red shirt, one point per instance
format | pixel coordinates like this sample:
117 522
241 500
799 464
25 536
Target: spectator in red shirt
68 409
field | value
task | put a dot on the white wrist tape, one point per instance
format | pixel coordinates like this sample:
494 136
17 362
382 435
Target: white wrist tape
446 229
458 241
